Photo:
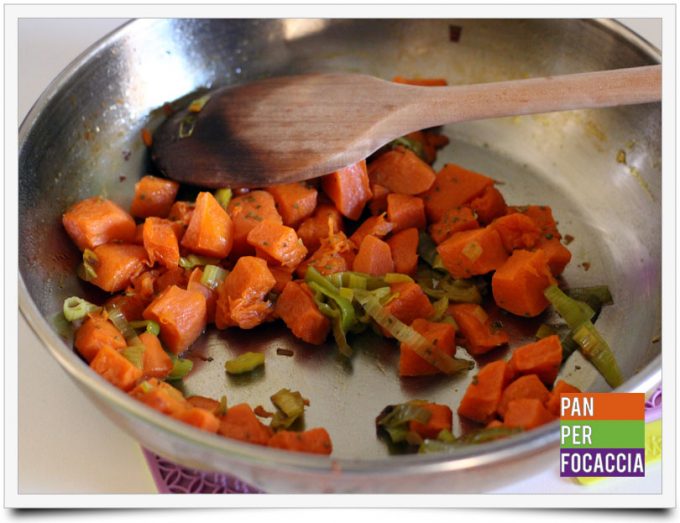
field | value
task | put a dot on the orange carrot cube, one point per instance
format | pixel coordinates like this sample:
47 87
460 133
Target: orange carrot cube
116 264
454 186
518 285
456 219
97 332
542 358
153 197
241 297
294 201
115 368
474 252
210 231
297 308
279 242
374 257
404 248
95 221
160 242
181 315
483 395
405 211
349 189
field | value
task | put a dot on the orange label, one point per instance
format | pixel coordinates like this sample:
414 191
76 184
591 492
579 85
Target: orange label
602 406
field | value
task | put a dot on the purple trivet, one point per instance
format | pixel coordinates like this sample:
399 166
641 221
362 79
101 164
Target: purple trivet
171 478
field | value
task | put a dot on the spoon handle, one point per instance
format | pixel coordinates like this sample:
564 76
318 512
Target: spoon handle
434 106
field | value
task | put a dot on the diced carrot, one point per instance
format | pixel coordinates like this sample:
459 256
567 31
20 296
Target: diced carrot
241 297
404 248
526 413
153 197
401 171
182 212
131 306
97 332
240 422
248 211
199 418
336 254
160 242
205 403
409 303
557 254
297 308
157 363
489 205
404 211
210 231
424 82
441 419
349 189
176 276
473 252
325 220
494 424
194 284
115 368
160 396
519 283
96 221
542 217
313 441
543 358
116 264
528 386
481 334
483 395
377 226
374 257
454 186
378 203
517 231
456 219
441 335
279 242
553 402
294 201
181 315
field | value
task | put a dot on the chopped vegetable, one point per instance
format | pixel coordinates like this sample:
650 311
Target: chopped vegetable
597 351
246 362
223 197
290 407
180 368
213 276
77 308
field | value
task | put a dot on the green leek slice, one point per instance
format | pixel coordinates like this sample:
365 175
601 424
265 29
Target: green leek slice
76 308
246 362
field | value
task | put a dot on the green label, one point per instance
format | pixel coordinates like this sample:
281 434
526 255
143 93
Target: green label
603 434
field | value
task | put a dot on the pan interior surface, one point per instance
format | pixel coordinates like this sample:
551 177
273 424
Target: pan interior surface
600 171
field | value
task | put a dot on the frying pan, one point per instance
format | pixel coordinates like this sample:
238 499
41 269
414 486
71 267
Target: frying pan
598 170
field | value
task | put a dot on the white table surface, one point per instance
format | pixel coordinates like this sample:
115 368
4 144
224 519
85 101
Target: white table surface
61 454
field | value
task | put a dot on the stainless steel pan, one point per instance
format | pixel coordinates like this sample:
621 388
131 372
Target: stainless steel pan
82 138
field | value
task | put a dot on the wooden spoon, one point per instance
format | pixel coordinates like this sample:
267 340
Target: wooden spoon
288 129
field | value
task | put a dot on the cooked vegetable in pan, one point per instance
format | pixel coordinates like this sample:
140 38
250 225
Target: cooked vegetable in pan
388 245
